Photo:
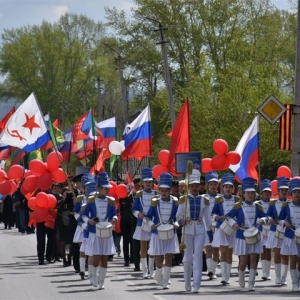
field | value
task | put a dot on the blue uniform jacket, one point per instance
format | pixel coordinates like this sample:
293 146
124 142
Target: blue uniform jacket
285 214
238 214
272 212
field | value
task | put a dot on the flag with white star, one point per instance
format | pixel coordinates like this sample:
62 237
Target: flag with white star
26 128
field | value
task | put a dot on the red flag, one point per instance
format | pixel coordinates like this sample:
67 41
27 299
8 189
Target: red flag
6 118
128 178
77 134
181 138
56 123
99 165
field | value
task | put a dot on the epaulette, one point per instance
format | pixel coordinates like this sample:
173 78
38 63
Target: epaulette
237 205
82 208
111 200
139 194
272 202
237 199
259 206
175 199
206 201
284 204
154 201
79 198
91 199
181 200
219 199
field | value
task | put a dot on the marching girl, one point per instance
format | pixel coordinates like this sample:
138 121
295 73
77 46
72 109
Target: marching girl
101 208
290 216
140 208
247 215
221 240
212 254
280 262
163 210
197 224
265 189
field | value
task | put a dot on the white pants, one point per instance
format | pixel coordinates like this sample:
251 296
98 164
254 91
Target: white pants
193 255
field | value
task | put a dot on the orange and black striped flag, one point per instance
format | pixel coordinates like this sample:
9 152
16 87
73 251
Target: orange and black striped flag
285 129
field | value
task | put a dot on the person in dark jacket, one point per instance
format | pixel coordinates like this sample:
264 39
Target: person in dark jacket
7 205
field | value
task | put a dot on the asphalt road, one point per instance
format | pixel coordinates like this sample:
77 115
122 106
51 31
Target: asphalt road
22 278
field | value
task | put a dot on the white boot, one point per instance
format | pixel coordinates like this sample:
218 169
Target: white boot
187 273
209 268
82 267
214 267
223 271
102 275
151 267
295 280
264 269
91 273
95 276
251 281
166 277
268 267
277 274
159 276
144 267
228 273
242 278
284 271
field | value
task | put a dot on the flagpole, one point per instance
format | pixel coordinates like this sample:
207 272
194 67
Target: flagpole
259 176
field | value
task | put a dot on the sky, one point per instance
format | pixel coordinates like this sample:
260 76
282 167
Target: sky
18 13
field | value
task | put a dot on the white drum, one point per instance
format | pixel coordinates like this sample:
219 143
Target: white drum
165 232
226 228
265 230
252 236
145 226
104 230
279 232
297 236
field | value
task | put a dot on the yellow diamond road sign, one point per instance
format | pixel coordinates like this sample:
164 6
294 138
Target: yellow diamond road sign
272 109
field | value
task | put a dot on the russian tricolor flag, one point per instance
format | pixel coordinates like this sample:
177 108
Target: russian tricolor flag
138 136
248 148
65 149
108 130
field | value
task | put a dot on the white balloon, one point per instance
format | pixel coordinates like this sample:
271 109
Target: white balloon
122 145
115 148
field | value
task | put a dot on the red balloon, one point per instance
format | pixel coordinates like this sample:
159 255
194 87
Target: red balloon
220 146
13 187
45 181
233 157
274 188
30 183
159 169
54 160
37 167
59 175
27 173
218 162
23 190
121 191
226 165
114 187
113 193
31 203
42 200
206 165
284 171
15 172
3 176
51 201
5 187
155 187
163 157
40 214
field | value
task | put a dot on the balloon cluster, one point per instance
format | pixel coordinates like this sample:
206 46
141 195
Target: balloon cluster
41 205
222 160
116 147
118 190
163 158
9 182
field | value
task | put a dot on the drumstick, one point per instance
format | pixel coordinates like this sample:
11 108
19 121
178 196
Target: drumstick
189 170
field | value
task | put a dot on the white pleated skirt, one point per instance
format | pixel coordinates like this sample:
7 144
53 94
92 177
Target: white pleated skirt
222 239
83 245
141 235
242 248
289 247
273 241
100 246
78 236
162 247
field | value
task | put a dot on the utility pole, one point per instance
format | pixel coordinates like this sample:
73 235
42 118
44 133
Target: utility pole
296 106
163 42
100 102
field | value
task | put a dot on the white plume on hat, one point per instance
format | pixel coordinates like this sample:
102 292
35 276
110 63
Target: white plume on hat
195 177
